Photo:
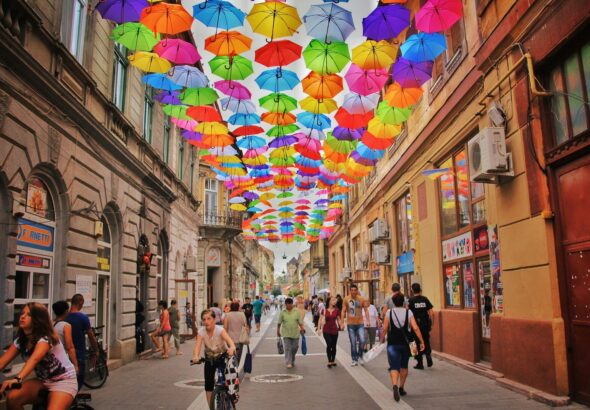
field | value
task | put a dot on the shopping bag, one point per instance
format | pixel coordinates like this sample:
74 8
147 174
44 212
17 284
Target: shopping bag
248 362
280 347
303 345
374 352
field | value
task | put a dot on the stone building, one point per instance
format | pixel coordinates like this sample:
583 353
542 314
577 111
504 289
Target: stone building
500 255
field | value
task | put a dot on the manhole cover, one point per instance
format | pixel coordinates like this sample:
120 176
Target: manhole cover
191 384
276 378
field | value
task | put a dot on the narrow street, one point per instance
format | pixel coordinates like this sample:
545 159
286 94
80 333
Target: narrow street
173 384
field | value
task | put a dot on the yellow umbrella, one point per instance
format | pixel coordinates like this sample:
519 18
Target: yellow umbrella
239 172
374 54
381 130
211 128
149 62
238 207
259 160
286 203
274 19
325 106
266 197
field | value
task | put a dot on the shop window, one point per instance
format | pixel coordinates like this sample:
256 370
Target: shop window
447 62
448 200
73 26
469 286
403 212
486 295
166 141
569 82
120 76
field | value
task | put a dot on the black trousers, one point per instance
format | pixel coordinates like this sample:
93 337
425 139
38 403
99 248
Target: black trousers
427 349
331 341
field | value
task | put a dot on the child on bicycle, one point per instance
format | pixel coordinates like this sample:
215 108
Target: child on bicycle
40 347
217 342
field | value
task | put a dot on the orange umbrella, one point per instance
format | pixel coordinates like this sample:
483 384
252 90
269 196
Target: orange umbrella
398 96
279 118
166 18
228 43
218 140
322 86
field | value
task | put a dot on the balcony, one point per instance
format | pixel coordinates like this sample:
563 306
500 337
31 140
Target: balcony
320 262
221 226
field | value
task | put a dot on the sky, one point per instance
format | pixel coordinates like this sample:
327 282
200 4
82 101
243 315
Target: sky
359 9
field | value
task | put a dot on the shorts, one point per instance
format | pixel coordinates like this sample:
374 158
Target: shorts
398 357
69 386
257 319
164 333
210 370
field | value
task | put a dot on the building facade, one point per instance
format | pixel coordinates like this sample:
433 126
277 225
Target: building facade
502 260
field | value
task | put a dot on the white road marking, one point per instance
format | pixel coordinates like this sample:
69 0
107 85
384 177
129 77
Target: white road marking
282 355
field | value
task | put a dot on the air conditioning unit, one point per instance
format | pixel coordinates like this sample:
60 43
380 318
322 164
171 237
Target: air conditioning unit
381 254
361 260
372 233
191 264
381 229
345 274
488 158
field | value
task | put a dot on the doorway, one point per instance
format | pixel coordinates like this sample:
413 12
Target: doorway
572 194
102 308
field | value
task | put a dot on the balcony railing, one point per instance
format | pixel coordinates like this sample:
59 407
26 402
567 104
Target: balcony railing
227 221
320 262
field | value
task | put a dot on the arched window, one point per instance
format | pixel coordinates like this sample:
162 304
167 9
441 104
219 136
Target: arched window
103 281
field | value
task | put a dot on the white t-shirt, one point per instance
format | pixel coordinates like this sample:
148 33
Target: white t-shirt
399 317
54 366
215 345
59 328
373 315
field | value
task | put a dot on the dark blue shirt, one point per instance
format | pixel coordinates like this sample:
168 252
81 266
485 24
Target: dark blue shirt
80 325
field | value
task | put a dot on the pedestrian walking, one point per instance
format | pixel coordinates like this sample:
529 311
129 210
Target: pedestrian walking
218 313
64 330
233 323
424 315
189 318
257 308
40 347
248 310
174 314
315 311
339 302
372 322
329 326
395 289
301 307
398 324
290 327
80 330
352 317
163 330
216 342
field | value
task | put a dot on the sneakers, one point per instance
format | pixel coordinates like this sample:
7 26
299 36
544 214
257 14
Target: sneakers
402 392
361 361
354 363
395 393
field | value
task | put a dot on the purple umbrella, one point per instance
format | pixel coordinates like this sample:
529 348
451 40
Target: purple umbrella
233 89
362 160
282 141
321 201
410 73
348 134
386 22
121 11
168 97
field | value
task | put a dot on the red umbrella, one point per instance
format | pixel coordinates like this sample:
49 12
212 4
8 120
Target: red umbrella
373 142
278 53
204 113
248 130
348 120
177 51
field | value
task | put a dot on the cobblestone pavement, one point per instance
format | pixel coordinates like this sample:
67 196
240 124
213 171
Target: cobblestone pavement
172 384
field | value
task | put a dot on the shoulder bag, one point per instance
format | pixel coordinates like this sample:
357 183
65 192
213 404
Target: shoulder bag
408 337
244 335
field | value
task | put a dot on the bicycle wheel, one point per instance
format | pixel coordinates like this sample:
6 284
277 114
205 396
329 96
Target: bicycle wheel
96 372
221 400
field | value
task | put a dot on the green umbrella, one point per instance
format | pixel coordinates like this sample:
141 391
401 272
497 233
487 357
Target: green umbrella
285 194
231 67
326 58
392 115
198 96
135 36
176 111
269 217
278 102
280 130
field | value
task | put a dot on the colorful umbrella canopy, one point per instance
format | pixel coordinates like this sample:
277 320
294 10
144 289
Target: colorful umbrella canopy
314 121
360 104
188 76
386 22
278 102
121 11
218 14
177 111
231 67
166 18
233 89
274 19
374 55
177 51
204 114
423 46
198 96
278 53
328 22
237 106
438 15
325 106
365 82
392 115
397 96
322 86
135 36
160 81
352 120
279 118
326 58
411 74
277 80
168 97
149 62
228 43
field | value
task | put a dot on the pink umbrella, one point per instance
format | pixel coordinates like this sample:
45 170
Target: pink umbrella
253 153
366 82
184 124
438 15
177 51
233 89
303 201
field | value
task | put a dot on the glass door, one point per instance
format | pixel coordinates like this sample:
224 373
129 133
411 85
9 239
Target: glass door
102 308
485 305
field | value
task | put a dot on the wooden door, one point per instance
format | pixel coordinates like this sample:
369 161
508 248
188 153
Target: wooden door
573 198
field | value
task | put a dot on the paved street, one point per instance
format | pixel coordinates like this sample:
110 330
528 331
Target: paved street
172 384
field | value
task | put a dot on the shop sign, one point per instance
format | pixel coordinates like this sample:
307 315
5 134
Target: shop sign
84 287
103 259
34 235
481 239
213 257
32 261
405 263
36 200
457 247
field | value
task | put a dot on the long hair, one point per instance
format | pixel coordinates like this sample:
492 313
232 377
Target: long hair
42 326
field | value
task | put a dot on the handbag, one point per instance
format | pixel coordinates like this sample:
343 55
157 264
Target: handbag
244 335
280 346
374 352
248 362
303 345
407 335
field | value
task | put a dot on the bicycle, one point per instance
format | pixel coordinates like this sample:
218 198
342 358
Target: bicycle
221 399
80 401
97 371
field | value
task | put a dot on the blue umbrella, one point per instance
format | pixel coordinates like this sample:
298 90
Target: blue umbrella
277 79
160 81
254 209
339 197
368 153
237 106
423 46
219 14
328 22
244 119
251 142
314 121
307 162
188 76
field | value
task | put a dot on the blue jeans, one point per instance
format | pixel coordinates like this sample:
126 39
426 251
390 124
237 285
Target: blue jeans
356 333
398 357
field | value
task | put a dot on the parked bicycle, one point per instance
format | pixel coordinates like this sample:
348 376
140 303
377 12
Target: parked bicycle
221 399
97 370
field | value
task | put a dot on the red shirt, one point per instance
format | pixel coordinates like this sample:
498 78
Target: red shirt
330 326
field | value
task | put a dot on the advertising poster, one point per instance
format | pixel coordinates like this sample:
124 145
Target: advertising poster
84 287
497 288
36 200
452 285
469 285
